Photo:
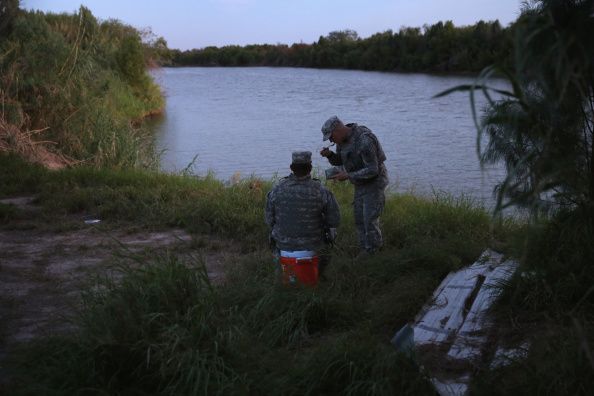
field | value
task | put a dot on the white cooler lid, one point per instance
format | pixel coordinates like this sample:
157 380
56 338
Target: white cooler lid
297 253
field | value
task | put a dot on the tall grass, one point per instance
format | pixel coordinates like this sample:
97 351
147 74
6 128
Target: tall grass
162 328
356 364
207 205
549 305
19 177
156 329
83 83
559 363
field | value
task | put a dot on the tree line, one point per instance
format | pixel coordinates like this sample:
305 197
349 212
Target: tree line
441 47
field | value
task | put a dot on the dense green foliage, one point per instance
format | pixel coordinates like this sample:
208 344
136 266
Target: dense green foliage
8 12
78 82
547 308
543 131
441 47
164 328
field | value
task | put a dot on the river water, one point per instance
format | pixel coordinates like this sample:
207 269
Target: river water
247 121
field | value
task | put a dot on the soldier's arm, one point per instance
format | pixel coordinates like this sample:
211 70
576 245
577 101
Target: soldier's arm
331 210
269 210
335 158
370 163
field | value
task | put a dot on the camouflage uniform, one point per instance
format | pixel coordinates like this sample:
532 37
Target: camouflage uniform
299 210
363 159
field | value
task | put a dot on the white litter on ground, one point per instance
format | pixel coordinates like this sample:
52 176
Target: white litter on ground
452 329
505 356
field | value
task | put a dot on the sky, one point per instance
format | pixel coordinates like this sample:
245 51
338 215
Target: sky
187 24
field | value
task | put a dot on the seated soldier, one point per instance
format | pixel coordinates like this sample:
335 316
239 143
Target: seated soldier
301 213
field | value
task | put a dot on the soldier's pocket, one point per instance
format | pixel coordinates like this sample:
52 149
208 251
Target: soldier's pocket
376 208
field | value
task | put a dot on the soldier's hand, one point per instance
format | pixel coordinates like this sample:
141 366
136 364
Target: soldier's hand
341 176
330 235
326 152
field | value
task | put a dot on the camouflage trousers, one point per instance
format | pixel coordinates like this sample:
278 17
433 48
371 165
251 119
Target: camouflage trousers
368 205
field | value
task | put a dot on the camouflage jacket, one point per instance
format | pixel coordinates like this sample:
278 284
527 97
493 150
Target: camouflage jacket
362 157
298 210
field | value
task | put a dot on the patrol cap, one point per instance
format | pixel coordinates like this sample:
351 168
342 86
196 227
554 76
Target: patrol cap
329 126
301 157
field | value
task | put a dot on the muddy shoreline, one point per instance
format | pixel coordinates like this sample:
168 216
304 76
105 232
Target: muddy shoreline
42 272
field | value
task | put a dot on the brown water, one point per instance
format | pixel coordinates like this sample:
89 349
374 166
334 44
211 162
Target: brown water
249 120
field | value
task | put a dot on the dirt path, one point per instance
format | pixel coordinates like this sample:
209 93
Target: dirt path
42 272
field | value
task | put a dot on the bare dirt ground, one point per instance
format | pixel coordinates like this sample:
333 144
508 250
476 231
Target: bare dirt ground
42 272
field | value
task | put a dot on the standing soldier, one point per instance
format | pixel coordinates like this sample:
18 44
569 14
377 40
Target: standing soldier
362 157
301 213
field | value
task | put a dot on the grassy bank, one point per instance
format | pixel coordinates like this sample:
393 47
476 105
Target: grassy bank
164 328
73 89
207 205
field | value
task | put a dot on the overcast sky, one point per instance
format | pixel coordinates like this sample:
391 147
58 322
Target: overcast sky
189 24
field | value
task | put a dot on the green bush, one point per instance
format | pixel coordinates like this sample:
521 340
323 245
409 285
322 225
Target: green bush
83 83
18 177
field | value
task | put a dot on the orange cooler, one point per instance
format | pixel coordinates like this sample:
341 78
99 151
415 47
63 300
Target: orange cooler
299 267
